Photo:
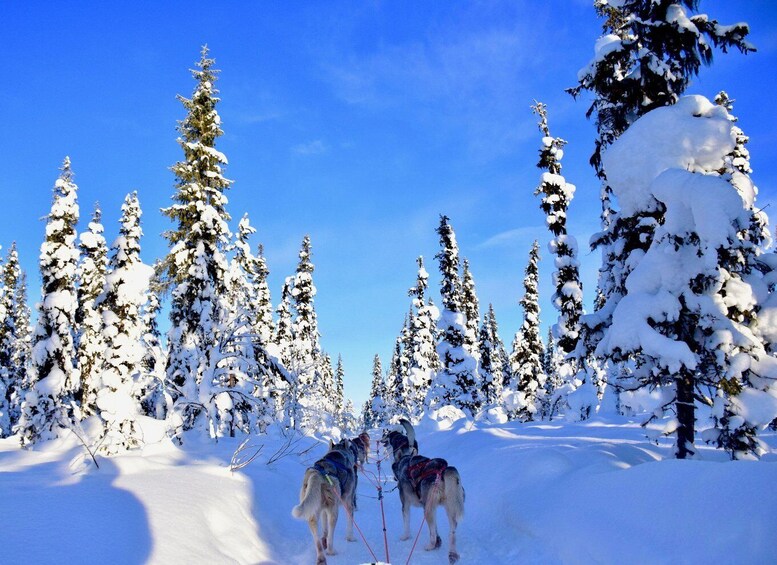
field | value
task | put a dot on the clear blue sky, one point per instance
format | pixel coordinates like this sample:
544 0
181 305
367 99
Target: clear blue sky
356 122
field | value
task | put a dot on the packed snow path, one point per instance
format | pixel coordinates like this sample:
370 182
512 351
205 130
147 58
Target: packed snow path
535 493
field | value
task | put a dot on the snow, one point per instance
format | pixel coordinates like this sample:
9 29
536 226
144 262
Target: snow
605 45
545 492
689 199
676 14
693 135
756 406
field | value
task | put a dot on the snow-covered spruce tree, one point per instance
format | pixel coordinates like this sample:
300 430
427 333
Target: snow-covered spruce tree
285 395
14 341
242 277
283 335
248 285
273 375
557 193
732 430
23 350
264 325
51 402
328 386
305 325
552 364
122 382
195 269
90 344
350 423
579 392
492 360
525 395
157 401
690 313
374 413
456 383
423 361
5 382
471 308
397 382
339 392
245 399
305 356
646 58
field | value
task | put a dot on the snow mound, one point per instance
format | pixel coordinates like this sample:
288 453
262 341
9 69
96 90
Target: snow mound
694 135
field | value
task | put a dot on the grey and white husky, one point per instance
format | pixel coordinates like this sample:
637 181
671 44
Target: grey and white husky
428 483
329 482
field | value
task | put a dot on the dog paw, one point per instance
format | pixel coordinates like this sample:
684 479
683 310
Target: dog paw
453 557
404 537
331 551
352 538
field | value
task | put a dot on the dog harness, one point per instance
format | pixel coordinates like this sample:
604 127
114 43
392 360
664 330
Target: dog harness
327 474
425 469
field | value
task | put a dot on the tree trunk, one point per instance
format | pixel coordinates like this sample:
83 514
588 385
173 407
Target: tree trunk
686 414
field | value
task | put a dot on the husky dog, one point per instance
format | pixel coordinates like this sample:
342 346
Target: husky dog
428 483
330 481
361 445
399 441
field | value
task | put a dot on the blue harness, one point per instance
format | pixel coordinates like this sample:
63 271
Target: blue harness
341 477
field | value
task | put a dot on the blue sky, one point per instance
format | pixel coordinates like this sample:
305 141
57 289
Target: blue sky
356 123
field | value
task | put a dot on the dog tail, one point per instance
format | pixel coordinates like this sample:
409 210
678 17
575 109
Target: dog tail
409 432
309 497
454 493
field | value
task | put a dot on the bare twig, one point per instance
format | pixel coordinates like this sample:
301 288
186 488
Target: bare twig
237 463
83 442
284 450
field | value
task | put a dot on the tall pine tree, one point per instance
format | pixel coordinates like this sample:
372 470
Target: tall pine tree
374 413
556 195
526 389
492 359
285 393
456 384
646 58
195 269
245 375
89 318
14 341
579 392
471 308
339 392
421 352
689 317
122 379
305 355
51 404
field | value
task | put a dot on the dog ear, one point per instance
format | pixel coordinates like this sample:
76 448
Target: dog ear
331 445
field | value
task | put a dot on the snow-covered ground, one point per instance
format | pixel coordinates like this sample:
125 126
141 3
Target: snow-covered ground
547 492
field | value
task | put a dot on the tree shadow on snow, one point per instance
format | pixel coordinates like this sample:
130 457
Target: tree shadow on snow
55 516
